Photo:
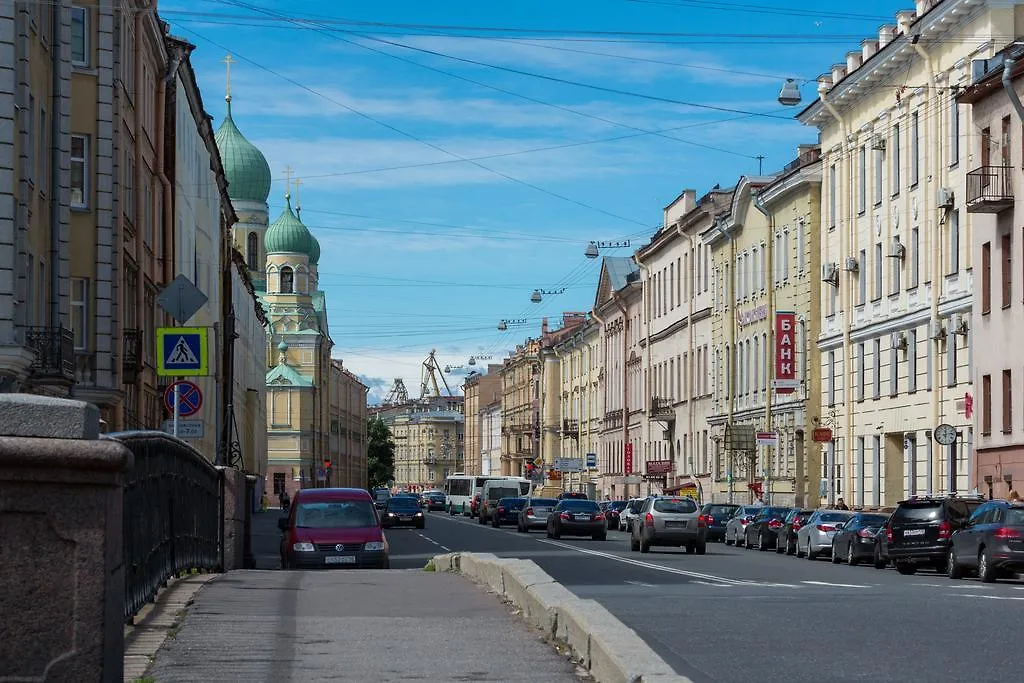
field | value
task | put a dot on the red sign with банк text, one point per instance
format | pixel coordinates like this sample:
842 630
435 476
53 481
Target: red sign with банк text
785 350
627 458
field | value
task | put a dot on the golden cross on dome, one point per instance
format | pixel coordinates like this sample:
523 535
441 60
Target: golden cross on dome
229 60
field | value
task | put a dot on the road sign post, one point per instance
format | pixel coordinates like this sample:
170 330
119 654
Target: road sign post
177 409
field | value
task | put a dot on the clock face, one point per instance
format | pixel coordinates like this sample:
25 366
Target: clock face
945 434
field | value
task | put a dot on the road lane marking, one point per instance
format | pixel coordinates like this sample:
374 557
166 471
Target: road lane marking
836 585
641 583
985 597
445 548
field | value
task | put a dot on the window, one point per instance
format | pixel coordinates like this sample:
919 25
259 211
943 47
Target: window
911 361
1007 273
30 151
862 180
147 212
1004 142
287 280
80 312
862 278
279 484
831 378
784 256
954 243
42 180
832 196
801 247
986 278
251 250
951 360
879 184
763 266
986 404
79 171
860 371
1007 401
954 132
897 270
894 365
915 150
876 294
895 159
129 188
915 258
79 36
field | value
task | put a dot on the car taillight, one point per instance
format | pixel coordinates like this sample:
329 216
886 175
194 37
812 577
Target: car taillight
774 524
565 515
702 520
745 521
864 533
529 511
598 517
888 534
945 529
501 508
1007 532
796 525
825 527
648 519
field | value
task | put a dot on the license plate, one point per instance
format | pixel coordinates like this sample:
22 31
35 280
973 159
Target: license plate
675 524
340 559
405 519
582 517
914 532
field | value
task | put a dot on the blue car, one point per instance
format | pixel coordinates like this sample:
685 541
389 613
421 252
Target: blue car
507 511
716 515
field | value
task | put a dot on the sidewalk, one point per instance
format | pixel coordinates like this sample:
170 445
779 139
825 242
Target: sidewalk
351 625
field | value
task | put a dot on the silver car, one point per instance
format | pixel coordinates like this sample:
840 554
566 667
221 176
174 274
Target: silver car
735 528
671 521
815 536
627 516
534 514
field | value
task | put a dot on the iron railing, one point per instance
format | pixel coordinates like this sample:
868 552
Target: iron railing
990 185
55 352
662 408
172 515
131 355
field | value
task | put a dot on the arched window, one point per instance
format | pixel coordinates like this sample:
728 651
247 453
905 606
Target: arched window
287 280
251 250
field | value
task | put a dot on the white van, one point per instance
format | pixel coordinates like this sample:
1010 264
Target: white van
493 491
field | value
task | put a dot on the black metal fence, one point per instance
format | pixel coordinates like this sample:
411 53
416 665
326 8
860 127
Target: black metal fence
173 516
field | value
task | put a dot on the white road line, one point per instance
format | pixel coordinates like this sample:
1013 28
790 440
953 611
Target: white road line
985 597
710 583
446 548
641 583
836 585
427 538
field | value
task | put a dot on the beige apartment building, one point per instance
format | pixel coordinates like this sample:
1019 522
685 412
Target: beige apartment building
579 399
897 266
520 407
618 307
429 446
552 425
490 437
676 272
994 182
480 391
345 462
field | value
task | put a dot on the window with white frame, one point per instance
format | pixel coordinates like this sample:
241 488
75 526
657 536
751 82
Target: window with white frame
801 247
79 171
895 171
954 242
862 278
860 371
895 281
915 258
951 360
862 179
915 149
79 36
954 131
784 255
80 312
876 369
879 183
911 361
832 196
831 370
762 268
894 365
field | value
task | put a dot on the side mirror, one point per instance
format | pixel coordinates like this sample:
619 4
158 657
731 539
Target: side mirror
840 525
282 523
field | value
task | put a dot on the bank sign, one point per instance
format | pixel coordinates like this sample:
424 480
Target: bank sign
785 352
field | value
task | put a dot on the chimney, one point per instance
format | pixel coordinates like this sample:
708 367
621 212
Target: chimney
838 72
920 7
868 48
824 83
689 201
853 61
885 35
544 326
904 19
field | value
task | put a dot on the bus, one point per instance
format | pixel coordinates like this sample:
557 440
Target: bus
460 488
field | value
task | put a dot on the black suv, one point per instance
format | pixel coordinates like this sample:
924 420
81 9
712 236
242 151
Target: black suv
919 531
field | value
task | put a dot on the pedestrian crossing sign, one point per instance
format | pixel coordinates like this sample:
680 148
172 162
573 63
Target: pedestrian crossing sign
182 352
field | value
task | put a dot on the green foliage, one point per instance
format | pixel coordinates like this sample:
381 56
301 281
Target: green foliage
380 454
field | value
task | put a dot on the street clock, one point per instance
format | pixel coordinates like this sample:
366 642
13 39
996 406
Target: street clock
945 434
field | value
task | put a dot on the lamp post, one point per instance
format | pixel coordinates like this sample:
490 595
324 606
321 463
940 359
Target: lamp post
505 323
594 247
538 294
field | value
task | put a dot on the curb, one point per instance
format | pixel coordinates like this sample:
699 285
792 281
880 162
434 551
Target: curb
157 621
599 642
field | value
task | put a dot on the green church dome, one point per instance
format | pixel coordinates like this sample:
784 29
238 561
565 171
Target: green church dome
245 167
314 250
287 235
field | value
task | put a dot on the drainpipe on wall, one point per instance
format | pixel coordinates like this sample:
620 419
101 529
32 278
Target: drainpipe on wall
59 261
646 391
625 386
770 351
729 302
692 349
597 403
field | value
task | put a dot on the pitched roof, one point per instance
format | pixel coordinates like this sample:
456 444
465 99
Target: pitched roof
286 375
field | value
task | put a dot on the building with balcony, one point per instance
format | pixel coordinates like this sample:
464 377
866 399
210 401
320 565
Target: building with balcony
429 446
345 463
480 390
520 407
579 397
675 269
897 269
619 310
997 318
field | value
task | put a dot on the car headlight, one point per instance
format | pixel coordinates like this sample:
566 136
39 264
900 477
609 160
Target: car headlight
419 514
303 547
374 545
391 514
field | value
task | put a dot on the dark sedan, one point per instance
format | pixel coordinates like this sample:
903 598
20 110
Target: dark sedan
991 542
507 511
764 528
790 525
575 517
403 511
855 541
716 515
435 500
613 510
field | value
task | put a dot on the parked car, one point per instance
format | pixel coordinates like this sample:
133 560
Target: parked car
493 491
574 517
381 498
790 526
575 495
328 528
404 511
506 511
881 559
764 527
612 512
856 540
815 537
716 515
630 512
738 523
534 513
669 521
991 542
435 500
919 531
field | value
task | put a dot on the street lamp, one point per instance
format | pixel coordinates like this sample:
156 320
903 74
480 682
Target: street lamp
790 94
593 248
538 294
503 325
474 359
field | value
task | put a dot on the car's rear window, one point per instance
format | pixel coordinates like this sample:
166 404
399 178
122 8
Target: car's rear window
775 513
675 505
1014 516
719 510
751 509
918 512
436 496
346 514
511 502
873 520
617 505
543 502
834 516
580 505
403 503
636 505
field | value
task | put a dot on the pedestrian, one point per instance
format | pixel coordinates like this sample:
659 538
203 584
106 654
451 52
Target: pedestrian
841 505
285 500
1013 497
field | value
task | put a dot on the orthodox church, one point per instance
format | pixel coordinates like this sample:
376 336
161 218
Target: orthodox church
304 440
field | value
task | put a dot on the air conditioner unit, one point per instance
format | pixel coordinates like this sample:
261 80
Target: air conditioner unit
958 324
830 274
936 330
897 250
878 143
899 341
851 265
945 198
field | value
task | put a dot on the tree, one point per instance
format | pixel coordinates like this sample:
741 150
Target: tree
380 454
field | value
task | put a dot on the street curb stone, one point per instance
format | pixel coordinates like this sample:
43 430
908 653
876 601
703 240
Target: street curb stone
599 642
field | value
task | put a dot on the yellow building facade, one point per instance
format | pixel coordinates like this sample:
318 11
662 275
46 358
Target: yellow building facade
577 396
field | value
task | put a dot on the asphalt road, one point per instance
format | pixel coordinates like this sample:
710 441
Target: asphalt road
742 615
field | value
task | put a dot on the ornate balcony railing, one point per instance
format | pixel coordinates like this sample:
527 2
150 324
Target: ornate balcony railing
55 353
131 355
661 408
990 189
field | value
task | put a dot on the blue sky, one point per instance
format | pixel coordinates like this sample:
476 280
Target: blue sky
377 106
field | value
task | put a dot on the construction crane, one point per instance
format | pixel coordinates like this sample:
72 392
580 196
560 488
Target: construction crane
428 381
398 394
